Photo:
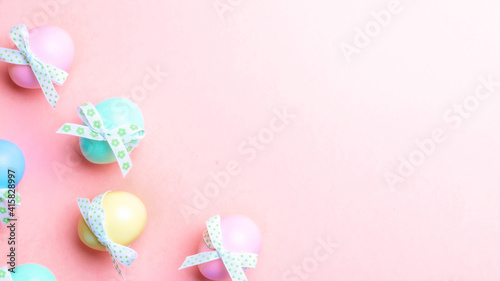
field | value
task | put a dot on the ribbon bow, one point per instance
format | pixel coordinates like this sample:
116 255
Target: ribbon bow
93 213
122 140
4 205
46 74
5 274
235 263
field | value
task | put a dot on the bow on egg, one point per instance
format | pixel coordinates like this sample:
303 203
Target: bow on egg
6 196
5 274
235 263
46 74
93 213
122 140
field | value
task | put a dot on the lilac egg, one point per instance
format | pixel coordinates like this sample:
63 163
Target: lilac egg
240 235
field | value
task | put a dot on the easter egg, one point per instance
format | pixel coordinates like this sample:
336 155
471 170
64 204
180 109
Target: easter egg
32 272
125 219
52 45
114 113
240 235
11 159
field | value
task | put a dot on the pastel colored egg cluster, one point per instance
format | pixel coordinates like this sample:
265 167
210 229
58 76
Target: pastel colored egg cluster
108 133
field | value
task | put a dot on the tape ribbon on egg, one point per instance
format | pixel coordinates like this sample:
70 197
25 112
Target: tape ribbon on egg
5 274
235 263
46 74
122 140
4 204
93 213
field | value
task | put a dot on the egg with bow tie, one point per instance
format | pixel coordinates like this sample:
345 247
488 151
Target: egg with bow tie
32 272
239 235
50 44
125 219
114 112
12 164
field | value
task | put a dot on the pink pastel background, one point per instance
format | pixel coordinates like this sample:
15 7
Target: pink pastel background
322 177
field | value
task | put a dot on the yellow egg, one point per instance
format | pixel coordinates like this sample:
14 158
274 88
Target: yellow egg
125 219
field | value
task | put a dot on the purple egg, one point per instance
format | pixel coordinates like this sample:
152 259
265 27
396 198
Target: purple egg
52 45
240 235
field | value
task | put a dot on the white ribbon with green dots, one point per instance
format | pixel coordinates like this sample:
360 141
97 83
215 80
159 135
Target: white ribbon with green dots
5 274
235 263
122 140
4 205
93 213
46 74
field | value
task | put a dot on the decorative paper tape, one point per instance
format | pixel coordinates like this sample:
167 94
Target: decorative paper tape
4 206
5 274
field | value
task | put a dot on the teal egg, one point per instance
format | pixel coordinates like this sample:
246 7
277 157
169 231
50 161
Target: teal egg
32 272
114 113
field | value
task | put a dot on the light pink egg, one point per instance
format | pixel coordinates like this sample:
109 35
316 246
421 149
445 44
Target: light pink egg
240 235
51 45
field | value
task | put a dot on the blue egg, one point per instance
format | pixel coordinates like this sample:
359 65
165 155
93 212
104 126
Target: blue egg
11 158
32 272
114 113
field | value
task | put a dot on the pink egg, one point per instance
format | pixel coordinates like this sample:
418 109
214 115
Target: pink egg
52 45
240 235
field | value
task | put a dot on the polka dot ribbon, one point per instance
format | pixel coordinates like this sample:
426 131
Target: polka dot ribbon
235 263
5 274
122 140
93 213
5 196
46 74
